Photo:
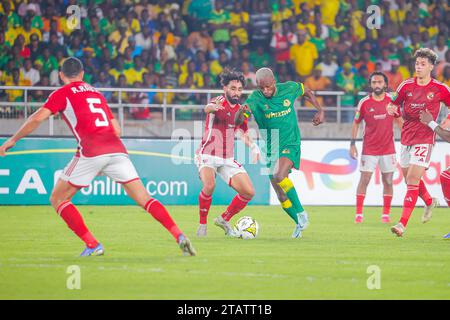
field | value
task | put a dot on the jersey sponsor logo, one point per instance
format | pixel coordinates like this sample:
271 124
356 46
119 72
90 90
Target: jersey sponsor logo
286 103
277 114
430 95
417 105
380 116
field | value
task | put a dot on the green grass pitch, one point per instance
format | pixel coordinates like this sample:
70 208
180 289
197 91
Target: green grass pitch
142 261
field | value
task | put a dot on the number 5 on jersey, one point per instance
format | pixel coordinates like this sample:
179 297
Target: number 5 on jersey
98 122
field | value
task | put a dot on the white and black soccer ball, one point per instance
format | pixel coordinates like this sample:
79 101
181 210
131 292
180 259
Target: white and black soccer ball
247 228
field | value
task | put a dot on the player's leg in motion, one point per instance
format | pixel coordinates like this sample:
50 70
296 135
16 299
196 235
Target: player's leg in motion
430 202
208 178
445 184
388 192
290 201
361 194
61 202
136 190
413 177
243 185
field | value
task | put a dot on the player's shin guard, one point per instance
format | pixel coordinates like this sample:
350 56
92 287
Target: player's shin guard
445 184
290 210
288 187
387 200
409 203
237 204
360 203
204 202
423 193
159 212
69 213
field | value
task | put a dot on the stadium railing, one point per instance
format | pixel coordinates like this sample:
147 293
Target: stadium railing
24 108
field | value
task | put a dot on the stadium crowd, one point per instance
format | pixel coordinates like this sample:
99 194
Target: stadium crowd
187 44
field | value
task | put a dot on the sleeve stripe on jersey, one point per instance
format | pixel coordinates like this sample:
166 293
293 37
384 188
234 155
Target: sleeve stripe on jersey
303 88
407 81
360 103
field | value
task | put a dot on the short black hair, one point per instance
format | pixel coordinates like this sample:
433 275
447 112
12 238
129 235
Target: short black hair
72 67
229 75
378 73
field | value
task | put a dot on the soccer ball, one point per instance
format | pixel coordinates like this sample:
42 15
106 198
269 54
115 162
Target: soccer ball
247 228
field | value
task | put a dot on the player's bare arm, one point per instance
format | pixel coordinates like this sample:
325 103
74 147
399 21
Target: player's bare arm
251 144
353 150
116 127
214 106
427 118
31 124
320 115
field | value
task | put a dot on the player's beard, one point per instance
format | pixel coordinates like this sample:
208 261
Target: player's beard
379 91
233 100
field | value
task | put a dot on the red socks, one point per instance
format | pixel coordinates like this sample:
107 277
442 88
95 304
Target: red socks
423 193
74 220
237 204
360 203
445 184
387 199
409 203
204 202
159 212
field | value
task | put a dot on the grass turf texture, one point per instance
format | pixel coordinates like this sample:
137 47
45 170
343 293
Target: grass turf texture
142 260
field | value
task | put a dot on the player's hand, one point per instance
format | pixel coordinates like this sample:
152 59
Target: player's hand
425 116
392 109
8 144
216 105
353 152
318 118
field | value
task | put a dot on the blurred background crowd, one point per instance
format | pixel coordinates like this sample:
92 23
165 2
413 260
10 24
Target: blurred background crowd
186 44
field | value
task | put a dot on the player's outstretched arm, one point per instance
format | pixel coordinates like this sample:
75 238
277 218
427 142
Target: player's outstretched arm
392 110
240 117
427 118
319 117
353 150
254 149
215 105
31 124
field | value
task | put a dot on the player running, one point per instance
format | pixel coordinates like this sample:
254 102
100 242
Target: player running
100 150
272 105
216 153
427 118
378 144
417 94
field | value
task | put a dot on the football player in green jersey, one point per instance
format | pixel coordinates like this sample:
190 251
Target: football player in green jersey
272 106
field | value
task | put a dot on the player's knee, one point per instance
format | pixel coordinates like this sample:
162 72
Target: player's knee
208 187
248 193
55 200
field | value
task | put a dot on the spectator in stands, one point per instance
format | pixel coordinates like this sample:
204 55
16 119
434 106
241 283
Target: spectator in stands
197 77
239 20
281 42
317 82
17 80
441 47
394 76
135 73
47 61
259 58
219 22
200 40
29 73
303 55
329 67
250 77
260 24
144 39
350 83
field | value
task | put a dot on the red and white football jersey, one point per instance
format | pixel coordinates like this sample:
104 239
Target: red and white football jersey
220 131
87 114
378 137
416 98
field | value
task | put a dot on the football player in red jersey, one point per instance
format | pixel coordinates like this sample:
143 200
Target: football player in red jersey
215 154
100 149
416 95
378 143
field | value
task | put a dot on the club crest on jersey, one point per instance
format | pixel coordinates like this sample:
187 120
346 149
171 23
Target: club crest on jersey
286 103
430 96
266 106
286 151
